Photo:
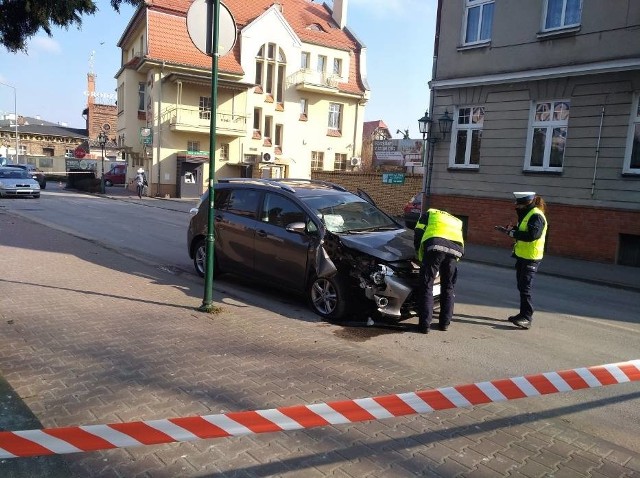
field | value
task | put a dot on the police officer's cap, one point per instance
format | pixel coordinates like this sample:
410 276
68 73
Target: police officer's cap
524 197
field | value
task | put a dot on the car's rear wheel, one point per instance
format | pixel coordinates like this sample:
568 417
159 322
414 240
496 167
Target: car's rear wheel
327 297
200 259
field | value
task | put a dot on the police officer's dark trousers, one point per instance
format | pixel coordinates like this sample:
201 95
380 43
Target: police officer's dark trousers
525 272
432 263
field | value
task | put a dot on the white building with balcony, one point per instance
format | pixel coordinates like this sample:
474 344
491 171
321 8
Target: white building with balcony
291 94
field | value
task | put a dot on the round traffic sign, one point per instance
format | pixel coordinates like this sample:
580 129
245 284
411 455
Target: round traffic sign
199 31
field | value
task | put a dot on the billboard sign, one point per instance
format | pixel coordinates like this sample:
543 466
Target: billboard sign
397 152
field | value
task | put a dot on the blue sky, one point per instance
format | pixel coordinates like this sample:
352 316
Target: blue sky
50 80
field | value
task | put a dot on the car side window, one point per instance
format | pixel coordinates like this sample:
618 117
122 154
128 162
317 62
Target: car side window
243 202
221 199
280 211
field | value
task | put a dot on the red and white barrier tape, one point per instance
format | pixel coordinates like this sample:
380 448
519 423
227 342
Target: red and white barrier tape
84 438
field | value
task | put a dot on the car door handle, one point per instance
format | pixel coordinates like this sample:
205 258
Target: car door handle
261 233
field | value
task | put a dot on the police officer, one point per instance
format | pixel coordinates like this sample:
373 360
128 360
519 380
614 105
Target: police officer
529 235
439 246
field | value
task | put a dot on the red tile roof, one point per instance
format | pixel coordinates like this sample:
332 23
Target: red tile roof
370 127
169 40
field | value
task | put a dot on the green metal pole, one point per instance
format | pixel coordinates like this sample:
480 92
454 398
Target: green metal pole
207 302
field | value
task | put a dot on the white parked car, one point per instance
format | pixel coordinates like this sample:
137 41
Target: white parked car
16 182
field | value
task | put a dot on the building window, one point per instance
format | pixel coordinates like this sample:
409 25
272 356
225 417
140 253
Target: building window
337 66
305 60
562 14
204 108
478 21
280 86
22 150
467 135
120 100
340 162
268 125
335 113
223 152
141 88
193 145
321 67
257 120
632 156
547 136
270 71
277 139
317 160
47 152
304 109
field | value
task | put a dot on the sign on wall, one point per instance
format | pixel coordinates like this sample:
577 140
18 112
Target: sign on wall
393 178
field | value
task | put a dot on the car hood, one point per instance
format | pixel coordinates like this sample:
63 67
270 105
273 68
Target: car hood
388 246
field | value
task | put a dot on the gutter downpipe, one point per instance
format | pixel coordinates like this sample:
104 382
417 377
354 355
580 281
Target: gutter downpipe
428 167
595 164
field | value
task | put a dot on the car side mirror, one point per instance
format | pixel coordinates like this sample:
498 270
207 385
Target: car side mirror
193 211
297 227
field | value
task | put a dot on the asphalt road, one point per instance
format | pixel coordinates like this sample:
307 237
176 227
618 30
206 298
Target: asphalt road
576 324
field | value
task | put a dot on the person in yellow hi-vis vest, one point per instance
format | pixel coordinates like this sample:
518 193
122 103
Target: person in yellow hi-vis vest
529 235
439 245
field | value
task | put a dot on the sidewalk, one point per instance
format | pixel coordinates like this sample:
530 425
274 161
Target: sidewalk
622 277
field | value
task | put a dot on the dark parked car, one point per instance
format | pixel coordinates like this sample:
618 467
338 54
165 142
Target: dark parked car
313 237
16 182
34 172
411 211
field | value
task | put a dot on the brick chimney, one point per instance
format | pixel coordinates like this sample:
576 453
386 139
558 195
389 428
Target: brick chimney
339 13
91 88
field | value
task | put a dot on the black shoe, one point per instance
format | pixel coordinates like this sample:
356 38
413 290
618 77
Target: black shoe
443 327
423 329
522 323
513 318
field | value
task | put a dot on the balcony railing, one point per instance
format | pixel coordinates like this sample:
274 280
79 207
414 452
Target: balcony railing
191 119
309 79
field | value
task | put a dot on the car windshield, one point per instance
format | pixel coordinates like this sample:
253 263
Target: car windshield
14 174
348 213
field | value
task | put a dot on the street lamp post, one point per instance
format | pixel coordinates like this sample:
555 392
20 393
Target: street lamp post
428 136
102 140
424 124
15 114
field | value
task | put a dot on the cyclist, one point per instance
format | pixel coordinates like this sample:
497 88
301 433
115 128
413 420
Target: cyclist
141 182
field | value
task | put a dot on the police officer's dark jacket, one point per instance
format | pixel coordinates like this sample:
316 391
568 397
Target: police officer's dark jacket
451 244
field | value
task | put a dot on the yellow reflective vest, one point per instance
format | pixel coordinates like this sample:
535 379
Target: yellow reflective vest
441 224
533 250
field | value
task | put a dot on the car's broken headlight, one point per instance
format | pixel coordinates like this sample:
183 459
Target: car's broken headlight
379 275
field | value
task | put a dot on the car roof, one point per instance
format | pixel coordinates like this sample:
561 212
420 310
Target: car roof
298 187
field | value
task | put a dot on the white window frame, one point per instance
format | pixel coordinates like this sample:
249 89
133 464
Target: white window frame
481 4
335 116
634 122
321 65
317 160
563 25
464 127
305 60
549 125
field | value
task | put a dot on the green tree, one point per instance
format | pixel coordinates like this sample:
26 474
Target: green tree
22 19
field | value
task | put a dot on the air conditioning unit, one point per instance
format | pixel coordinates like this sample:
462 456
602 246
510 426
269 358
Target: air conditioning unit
356 162
267 158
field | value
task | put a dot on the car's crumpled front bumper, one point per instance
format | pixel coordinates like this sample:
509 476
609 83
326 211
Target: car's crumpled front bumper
394 295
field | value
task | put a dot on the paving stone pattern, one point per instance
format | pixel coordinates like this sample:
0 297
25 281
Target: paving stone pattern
88 336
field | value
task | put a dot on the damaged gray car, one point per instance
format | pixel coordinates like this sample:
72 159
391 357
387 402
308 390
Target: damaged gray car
313 237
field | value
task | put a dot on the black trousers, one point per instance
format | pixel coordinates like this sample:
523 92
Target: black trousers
525 272
447 265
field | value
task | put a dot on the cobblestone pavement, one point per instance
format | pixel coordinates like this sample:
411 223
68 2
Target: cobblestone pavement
88 336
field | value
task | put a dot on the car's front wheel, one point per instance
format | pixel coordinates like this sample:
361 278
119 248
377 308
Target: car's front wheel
200 259
327 297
